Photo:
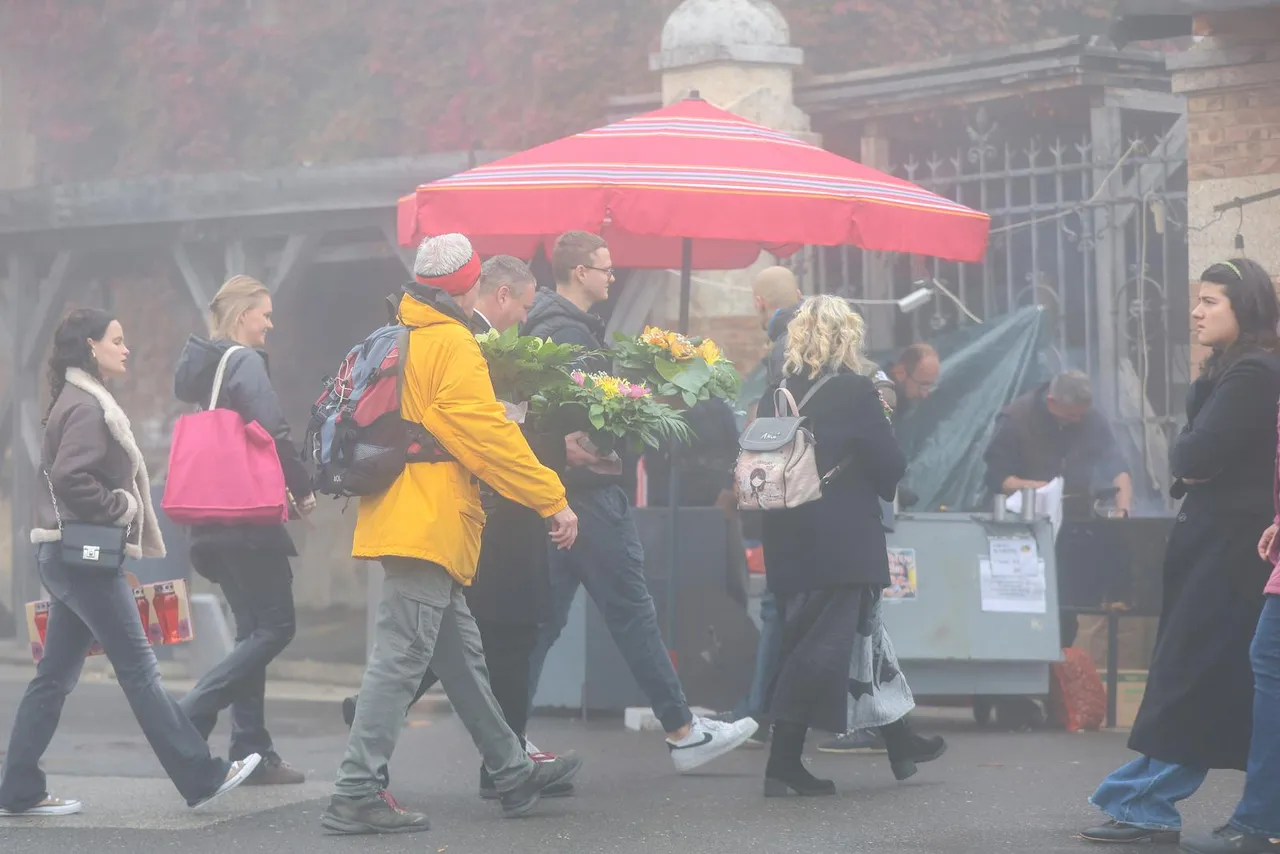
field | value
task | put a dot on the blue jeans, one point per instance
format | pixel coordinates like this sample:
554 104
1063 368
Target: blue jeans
608 561
1145 792
88 605
768 651
1259 810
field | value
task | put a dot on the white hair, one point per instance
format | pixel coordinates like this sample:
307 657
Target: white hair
442 255
1072 388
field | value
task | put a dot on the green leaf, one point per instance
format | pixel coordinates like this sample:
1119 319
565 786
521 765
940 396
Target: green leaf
597 419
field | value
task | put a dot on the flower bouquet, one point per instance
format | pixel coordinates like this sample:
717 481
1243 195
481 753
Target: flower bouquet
616 413
679 368
521 367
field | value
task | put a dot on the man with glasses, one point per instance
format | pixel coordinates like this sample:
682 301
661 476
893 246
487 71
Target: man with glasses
607 558
914 375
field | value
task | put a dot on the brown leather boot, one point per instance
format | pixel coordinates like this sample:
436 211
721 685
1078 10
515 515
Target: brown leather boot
274 771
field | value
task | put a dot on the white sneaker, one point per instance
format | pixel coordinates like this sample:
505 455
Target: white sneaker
238 773
708 740
49 806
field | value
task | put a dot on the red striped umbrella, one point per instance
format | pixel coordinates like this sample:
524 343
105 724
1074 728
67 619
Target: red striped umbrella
690 172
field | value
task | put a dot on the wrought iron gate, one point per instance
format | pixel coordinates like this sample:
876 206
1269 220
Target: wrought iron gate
1096 238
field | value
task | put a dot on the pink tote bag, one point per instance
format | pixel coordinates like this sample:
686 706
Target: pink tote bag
223 471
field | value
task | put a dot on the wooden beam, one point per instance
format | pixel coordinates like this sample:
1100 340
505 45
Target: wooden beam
41 323
1107 136
235 260
24 389
1145 100
295 258
197 281
1152 176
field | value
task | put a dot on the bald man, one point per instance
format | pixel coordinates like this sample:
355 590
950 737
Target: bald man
777 297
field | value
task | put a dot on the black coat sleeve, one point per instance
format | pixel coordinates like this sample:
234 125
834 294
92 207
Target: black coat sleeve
248 390
1228 423
1003 456
869 437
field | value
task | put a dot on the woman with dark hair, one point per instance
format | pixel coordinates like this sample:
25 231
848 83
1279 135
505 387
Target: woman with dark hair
249 562
1197 711
94 475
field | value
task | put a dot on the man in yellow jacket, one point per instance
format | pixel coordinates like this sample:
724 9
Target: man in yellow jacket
426 531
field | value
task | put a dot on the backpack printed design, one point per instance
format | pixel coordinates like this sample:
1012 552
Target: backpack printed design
777 467
356 437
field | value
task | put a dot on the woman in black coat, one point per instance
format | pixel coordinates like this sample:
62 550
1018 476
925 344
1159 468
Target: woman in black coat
1196 714
826 561
249 562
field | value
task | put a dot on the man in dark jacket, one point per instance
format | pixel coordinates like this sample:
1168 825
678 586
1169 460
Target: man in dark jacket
608 559
1054 431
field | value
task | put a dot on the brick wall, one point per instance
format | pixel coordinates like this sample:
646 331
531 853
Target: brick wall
1231 79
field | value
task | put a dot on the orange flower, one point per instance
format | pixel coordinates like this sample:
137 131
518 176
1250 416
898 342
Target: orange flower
653 335
680 347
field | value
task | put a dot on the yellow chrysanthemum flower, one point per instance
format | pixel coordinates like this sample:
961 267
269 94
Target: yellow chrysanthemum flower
709 351
609 386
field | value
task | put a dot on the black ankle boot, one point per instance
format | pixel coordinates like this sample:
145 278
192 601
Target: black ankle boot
785 772
907 748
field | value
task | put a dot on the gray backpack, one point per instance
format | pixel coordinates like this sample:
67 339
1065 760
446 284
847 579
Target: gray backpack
777 466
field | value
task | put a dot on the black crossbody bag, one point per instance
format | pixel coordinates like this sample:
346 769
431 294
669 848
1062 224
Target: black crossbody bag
97 549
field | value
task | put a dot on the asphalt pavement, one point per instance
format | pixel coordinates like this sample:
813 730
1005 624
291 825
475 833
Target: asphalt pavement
992 792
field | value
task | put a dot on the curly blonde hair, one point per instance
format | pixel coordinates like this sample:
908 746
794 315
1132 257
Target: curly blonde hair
825 336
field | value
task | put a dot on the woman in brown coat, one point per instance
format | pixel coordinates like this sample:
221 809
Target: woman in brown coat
95 474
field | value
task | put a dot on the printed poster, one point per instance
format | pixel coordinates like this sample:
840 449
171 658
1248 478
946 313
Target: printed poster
1012 577
902 575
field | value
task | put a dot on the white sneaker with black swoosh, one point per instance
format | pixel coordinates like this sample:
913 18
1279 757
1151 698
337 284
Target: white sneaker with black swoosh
708 740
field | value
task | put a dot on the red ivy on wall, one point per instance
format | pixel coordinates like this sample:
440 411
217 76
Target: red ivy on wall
129 87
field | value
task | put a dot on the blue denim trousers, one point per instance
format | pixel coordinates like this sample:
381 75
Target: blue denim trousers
1259 810
1145 793
88 605
768 651
608 561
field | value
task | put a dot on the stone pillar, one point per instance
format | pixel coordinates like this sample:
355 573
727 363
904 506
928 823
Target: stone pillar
737 55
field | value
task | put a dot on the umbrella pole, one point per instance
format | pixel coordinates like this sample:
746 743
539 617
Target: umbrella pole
673 480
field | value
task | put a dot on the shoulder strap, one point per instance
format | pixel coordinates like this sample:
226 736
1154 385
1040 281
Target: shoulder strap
814 389
217 376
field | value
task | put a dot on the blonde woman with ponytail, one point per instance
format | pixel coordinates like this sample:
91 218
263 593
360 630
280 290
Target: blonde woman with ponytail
249 562
827 561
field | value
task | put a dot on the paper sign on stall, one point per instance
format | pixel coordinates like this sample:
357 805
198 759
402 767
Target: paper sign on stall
1012 577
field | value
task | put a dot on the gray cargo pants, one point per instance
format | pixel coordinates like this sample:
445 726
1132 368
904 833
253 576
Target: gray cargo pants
423 620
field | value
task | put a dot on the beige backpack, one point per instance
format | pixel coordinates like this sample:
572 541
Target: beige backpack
777 468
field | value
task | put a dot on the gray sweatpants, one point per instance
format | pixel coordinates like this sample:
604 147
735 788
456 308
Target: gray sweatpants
423 621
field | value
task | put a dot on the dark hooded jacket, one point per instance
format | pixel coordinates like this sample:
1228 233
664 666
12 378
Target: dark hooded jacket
777 331
552 316
247 389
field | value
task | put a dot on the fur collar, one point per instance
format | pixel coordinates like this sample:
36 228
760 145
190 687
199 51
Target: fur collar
146 541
